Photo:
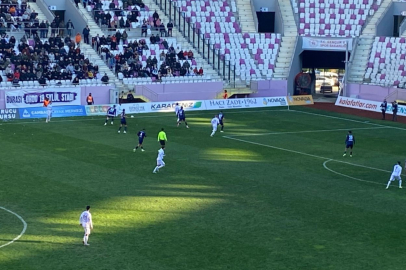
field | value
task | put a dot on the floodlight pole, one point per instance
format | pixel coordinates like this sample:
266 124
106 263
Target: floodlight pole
346 70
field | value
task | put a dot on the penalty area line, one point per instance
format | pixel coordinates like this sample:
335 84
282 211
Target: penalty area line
21 233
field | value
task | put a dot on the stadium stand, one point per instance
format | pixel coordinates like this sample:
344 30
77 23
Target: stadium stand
334 18
386 64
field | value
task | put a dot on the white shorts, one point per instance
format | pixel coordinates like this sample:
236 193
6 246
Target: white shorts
394 177
160 162
214 127
86 229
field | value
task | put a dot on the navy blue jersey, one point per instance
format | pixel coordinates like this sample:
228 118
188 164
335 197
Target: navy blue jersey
181 114
111 111
350 139
221 117
141 135
123 120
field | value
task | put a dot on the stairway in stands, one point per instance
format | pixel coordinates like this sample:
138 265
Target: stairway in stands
94 56
245 16
289 36
208 69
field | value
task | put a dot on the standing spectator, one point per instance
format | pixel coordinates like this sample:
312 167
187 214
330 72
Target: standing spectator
162 30
395 111
130 97
86 32
118 37
384 106
225 95
69 27
90 99
77 3
54 27
124 37
43 28
155 16
78 39
61 28
84 3
170 27
144 29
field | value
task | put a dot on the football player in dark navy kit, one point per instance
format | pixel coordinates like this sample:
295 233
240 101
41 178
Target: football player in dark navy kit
123 122
141 135
182 117
221 119
349 143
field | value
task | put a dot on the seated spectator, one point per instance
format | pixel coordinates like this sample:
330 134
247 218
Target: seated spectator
200 72
152 39
75 81
42 81
190 54
105 79
78 39
181 55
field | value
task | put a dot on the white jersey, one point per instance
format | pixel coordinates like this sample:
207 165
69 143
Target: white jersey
177 109
215 121
161 154
86 219
397 170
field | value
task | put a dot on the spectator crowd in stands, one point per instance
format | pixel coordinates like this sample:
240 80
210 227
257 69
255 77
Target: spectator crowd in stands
55 59
132 63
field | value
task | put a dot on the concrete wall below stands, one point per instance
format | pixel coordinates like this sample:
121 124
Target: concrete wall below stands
185 91
271 88
101 94
369 92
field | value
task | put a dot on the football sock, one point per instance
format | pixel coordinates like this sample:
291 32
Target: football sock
400 183
222 127
119 128
106 121
84 239
351 153
141 147
137 147
212 133
125 128
388 184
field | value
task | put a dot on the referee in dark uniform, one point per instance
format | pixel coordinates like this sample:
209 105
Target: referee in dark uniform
395 111
384 106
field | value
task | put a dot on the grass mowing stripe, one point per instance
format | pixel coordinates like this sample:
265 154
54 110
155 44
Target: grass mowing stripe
305 154
305 131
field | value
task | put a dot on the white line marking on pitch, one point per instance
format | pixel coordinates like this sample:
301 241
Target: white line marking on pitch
347 119
22 232
306 154
341 174
305 131
137 116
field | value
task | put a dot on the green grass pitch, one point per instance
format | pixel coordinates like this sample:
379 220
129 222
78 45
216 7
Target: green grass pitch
271 192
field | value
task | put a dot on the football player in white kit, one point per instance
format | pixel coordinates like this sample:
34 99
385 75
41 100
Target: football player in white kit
177 109
160 160
85 221
214 122
397 170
